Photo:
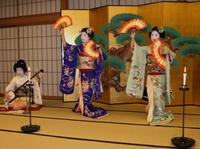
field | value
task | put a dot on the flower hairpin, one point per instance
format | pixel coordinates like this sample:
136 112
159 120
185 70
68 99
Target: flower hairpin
89 30
160 29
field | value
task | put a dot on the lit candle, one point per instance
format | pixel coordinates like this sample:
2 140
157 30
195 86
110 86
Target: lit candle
29 74
184 76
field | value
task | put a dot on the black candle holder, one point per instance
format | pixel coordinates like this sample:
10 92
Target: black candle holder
30 128
183 142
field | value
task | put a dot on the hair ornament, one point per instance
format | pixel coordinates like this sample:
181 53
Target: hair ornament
89 30
160 29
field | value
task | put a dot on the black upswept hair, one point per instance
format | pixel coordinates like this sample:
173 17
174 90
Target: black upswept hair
20 64
160 31
88 31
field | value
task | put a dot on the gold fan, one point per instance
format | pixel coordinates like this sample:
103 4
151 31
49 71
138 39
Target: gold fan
137 24
89 51
156 52
64 21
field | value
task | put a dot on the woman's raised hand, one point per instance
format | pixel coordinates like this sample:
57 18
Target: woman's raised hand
61 31
132 38
132 35
63 36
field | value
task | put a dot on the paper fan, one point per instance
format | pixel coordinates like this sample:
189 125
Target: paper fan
65 21
89 51
137 24
156 52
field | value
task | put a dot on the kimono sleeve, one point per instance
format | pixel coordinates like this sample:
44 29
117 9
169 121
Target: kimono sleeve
68 74
135 82
11 86
37 92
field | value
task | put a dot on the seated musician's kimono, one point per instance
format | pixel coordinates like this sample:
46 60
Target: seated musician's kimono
146 70
89 79
22 93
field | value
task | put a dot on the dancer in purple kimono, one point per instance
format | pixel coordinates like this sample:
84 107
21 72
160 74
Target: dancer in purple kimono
90 72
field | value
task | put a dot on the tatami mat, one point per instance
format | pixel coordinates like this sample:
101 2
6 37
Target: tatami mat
126 107
126 118
120 129
35 141
158 136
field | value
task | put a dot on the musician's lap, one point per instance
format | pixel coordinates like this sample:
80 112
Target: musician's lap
18 104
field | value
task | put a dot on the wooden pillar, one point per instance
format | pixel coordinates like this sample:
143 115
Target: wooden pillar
63 4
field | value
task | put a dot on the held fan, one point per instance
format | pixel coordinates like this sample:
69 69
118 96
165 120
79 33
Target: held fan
64 21
89 51
137 24
156 52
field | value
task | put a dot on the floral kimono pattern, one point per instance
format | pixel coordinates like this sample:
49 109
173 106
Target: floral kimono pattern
89 82
157 83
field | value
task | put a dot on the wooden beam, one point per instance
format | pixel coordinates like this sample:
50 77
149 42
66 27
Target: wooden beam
63 4
53 97
30 20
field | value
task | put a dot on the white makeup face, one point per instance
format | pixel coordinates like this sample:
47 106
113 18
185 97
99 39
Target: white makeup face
154 35
19 72
84 37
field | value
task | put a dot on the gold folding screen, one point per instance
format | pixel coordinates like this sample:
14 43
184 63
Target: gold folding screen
180 17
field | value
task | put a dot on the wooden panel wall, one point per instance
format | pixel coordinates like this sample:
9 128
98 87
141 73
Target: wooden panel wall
40 46
31 39
88 4
15 8
8 54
